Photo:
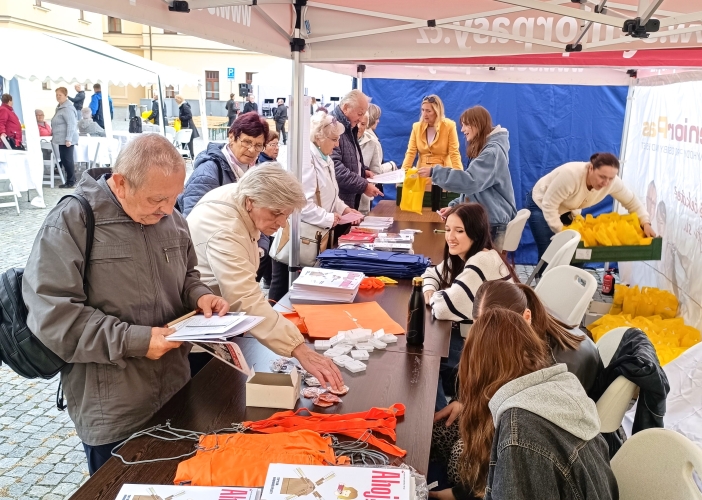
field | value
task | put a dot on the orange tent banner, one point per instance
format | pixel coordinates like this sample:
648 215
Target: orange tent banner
325 321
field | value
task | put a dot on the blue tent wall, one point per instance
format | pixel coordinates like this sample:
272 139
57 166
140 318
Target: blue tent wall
548 124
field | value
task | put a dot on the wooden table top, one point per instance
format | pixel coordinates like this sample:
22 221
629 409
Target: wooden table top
215 399
389 208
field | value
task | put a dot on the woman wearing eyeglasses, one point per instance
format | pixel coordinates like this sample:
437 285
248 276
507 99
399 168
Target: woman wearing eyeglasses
434 140
220 165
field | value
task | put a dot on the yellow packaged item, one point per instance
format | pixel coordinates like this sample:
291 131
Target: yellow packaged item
609 230
176 124
413 192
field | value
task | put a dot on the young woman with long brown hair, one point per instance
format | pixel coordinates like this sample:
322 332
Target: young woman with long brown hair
449 288
528 428
486 180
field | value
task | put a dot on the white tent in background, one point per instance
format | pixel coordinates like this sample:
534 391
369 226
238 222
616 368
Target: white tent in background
49 57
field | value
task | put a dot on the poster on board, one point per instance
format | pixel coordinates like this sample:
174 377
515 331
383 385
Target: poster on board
663 165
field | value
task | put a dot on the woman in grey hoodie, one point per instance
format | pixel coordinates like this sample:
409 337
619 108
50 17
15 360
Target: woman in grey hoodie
64 125
528 428
486 180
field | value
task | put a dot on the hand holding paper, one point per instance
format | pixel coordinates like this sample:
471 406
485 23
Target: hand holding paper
393 177
350 218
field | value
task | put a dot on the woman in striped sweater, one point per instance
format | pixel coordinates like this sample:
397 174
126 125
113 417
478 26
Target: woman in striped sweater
450 288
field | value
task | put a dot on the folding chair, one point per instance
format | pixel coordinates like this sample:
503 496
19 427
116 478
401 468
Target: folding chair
183 137
566 291
513 234
52 163
552 258
621 393
6 177
658 463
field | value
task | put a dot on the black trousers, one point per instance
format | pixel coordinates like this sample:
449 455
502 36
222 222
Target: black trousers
279 280
280 128
98 455
231 120
67 160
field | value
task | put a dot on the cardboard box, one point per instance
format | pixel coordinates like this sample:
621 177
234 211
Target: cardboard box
273 390
595 311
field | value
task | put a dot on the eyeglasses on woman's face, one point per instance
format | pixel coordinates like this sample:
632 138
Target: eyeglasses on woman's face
249 144
274 145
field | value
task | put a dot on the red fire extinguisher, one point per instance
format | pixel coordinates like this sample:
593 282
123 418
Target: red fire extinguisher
608 283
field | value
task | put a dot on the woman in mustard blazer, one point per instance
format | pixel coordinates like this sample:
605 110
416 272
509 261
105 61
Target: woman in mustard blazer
434 138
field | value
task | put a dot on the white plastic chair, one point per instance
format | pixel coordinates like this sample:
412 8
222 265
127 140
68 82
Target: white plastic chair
658 463
513 233
552 258
183 137
566 291
52 163
619 396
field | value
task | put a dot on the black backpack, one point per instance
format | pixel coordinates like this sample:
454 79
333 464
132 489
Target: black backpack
135 125
19 348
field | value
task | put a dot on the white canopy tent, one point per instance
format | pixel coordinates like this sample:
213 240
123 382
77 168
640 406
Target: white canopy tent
398 37
56 58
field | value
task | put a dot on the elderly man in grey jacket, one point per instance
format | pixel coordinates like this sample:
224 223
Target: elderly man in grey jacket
141 275
351 172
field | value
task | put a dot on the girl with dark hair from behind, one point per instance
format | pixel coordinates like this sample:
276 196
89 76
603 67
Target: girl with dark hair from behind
529 429
449 288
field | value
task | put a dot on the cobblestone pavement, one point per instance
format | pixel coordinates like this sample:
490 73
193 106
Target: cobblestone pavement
41 457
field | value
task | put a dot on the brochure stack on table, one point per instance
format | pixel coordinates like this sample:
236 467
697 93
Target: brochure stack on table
326 285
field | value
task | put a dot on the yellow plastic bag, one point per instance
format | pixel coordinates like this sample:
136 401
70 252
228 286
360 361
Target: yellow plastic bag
145 115
176 124
413 192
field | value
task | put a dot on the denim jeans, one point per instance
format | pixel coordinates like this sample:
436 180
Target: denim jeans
98 455
539 227
448 369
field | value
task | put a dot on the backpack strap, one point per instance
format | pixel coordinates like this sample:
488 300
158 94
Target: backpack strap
90 230
220 174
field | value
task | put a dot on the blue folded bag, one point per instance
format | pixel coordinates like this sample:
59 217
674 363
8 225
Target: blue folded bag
375 263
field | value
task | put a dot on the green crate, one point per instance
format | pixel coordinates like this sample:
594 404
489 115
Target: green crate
446 198
624 253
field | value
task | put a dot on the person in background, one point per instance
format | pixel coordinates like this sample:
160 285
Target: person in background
270 152
225 226
96 106
219 165
185 115
44 126
562 193
487 179
79 99
322 109
280 116
10 127
528 428
250 104
450 287
351 173
371 149
156 112
434 140
86 126
122 369
324 207
232 110
65 134
565 345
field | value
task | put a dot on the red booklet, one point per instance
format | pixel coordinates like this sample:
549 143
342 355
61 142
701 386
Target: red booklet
357 237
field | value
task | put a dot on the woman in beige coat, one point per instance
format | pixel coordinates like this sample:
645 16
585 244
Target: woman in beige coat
225 227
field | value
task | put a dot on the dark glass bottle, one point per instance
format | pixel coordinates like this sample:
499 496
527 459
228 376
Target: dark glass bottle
415 314
436 192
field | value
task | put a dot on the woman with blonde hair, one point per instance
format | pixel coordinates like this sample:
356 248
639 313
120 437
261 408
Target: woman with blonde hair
487 179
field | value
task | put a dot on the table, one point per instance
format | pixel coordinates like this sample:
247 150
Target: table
205 404
87 147
388 208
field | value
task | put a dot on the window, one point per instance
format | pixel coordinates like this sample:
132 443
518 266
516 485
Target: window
249 78
212 85
114 25
171 91
37 3
46 85
81 15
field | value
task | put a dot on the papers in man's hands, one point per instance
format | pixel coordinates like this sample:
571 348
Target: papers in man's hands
350 218
326 285
229 353
392 177
214 329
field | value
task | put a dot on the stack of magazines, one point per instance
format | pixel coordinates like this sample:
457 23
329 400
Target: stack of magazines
198 328
326 285
394 242
377 224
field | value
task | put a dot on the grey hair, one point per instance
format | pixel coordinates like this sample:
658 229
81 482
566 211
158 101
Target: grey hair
145 153
86 113
373 113
269 186
179 98
38 111
322 125
354 97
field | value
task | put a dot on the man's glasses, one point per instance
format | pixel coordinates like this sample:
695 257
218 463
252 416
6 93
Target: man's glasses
429 98
250 145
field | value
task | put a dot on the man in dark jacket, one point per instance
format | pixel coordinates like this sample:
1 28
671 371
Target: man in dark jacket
351 173
251 104
79 99
155 113
232 110
96 106
280 116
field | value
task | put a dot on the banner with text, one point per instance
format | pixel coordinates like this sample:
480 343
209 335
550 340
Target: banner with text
663 165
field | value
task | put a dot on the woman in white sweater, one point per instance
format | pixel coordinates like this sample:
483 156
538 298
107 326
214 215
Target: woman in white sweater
450 288
565 191
324 207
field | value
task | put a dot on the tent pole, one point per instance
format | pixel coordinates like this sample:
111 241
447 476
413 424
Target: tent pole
360 69
625 133
296 133
203 114
106 116
162 121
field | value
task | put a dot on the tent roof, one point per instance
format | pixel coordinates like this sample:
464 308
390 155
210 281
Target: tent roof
346 31
57 58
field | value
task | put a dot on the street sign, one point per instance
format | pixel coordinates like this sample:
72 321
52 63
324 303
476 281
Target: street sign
230 73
